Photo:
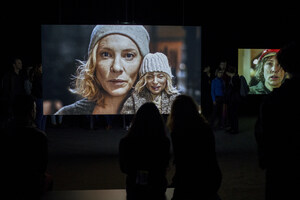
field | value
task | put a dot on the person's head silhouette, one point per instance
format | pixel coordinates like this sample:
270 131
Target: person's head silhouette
148 122
288 58
184 113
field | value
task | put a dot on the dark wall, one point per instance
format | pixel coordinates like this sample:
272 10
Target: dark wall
225 27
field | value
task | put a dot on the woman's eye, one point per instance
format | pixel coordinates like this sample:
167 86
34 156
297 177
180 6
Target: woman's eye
129 56
269 63
105 54
149 77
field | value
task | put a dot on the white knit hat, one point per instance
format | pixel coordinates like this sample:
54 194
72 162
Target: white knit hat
135 32
157 62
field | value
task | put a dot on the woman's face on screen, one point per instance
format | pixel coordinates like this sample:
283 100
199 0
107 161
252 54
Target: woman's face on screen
156 82
117 64
273 73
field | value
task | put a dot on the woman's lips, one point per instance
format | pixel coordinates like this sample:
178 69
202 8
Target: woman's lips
117 82
155 88
274 77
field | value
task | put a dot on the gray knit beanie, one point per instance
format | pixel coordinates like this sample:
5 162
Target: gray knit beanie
137 33
157 62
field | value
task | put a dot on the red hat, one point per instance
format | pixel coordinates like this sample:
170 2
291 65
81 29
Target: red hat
268 53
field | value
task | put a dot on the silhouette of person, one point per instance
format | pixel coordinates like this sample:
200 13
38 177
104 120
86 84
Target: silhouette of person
144 155
197 175
13 84
217 94
27 153
206 100
277 130
234 99
37 93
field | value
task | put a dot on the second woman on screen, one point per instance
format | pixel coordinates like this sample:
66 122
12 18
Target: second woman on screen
155 85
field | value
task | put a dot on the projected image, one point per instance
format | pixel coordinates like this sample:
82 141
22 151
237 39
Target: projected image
261 69
114 69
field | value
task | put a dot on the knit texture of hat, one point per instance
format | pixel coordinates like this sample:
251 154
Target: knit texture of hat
157 62
137 33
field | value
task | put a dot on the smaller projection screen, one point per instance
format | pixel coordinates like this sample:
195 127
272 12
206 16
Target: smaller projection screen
113 69
260 69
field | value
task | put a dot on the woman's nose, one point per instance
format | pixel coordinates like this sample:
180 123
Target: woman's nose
275 68
155 79
117 66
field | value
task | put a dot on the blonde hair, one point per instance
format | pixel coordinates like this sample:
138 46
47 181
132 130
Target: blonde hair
85 82
169 89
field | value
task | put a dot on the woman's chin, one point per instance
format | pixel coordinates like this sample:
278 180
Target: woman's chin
119 92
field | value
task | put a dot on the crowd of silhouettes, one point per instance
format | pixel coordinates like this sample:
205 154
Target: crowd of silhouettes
222 95
145 152
197 173
19 80
24 141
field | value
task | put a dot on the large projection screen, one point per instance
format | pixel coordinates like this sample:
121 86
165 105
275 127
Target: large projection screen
66 47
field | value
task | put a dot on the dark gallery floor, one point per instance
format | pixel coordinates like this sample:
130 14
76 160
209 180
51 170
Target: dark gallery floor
81 159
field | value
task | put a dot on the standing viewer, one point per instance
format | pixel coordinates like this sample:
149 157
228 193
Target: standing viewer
37 93
197 175
26 153
217 94
12 85
233 99
277 130
144 155
206 101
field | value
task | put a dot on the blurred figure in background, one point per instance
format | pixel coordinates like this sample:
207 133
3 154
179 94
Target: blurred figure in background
233 100
12 85
37 93
217 94
206 100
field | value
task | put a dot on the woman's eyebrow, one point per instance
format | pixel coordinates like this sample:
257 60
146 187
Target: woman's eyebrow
268 61
102 47
129 50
